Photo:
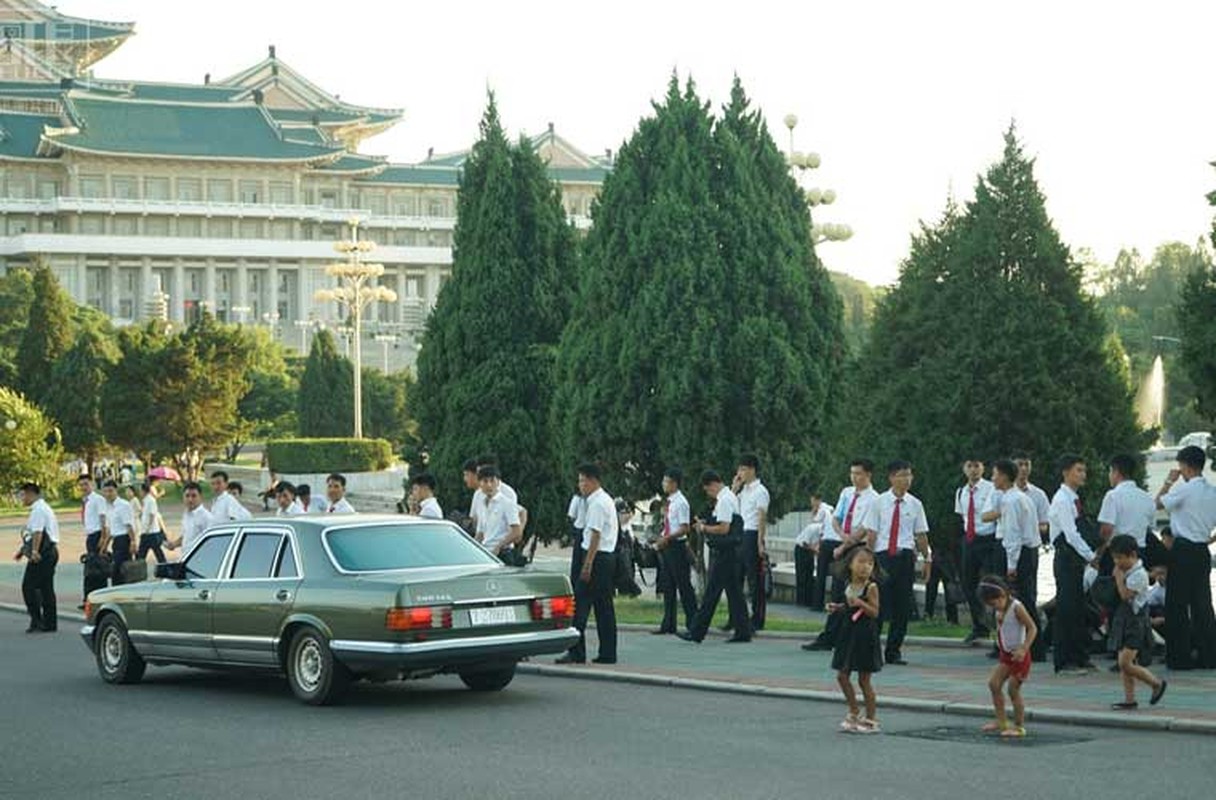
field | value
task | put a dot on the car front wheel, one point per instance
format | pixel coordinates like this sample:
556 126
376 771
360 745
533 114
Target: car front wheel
488 681
117 660
315 675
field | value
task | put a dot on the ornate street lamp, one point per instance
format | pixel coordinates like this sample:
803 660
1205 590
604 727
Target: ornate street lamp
803 162
356 292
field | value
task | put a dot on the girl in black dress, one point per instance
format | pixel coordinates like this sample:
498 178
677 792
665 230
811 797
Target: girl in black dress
857 648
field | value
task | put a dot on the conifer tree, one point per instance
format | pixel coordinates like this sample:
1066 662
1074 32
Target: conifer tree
47 336
326 400
78 409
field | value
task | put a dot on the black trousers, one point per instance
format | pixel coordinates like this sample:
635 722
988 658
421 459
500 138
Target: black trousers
1070 639
752 575
38 590
120 551
676 579
91 542
823 571
596 595
804 575
942 572
723 577
1190 628
153 542
982 556
895 597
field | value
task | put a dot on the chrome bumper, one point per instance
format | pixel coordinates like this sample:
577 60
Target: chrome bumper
453 652
86 633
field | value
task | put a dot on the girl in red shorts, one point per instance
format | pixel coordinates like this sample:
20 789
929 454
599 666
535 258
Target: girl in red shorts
1015 632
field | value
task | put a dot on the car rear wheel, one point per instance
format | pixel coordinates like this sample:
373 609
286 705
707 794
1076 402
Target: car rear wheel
316 677
490 680
117 660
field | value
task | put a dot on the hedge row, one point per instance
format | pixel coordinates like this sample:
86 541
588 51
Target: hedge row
308 456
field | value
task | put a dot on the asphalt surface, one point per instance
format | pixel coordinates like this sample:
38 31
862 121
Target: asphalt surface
192 734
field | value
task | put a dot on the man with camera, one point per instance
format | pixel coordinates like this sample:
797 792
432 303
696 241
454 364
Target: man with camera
675 575
40 549
724 534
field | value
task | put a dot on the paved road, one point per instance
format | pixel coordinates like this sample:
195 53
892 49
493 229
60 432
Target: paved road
193 734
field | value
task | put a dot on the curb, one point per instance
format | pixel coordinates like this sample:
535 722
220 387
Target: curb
68 615
797 636
1059 716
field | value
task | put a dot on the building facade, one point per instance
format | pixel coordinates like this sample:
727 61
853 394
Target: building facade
156 199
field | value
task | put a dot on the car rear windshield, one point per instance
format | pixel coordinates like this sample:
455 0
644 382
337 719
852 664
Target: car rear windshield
374 548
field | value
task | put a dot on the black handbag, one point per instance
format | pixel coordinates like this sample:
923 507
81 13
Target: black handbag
134 571
623 557
729 540
97 566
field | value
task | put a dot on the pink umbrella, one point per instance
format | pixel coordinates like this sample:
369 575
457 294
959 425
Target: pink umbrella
164 474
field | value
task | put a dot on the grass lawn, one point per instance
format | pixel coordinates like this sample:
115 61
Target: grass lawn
638 611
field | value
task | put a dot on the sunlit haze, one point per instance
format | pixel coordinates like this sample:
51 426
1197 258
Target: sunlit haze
903 100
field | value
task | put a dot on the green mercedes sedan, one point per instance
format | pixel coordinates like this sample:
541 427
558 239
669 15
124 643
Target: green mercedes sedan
329 600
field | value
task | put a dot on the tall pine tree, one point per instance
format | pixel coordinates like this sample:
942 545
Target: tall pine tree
47 336
326 401
484 372
989 346
78 411
705 326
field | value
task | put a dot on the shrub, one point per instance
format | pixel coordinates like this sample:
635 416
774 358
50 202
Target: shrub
300 456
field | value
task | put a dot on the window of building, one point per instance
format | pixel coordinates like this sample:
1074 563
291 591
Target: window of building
189 226
219 190
255 282
126 308
130 278
90 186
47 224
18 225
436 207
48 190
225 281
125 226
376 203
377 235
92 224
438 239
219 228
189 190
280 229
156 226
196 281
124 187
329 232
280 193
405 205
251 229
251 191
328 198
156 188
356 198
403 238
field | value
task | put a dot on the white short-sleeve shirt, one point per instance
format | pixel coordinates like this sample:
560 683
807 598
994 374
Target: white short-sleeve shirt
981 491
1129 510
1042 504
94 512
1192 507
343 506
864 511
601 516
226 508
149 516
1136 580
577 511
193 524
498 515
817 528
753 504
912 521
120 518
1018 525
429 509
679 513
42 518
478 502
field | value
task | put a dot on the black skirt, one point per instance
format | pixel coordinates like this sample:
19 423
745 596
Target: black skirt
857 646
1131 631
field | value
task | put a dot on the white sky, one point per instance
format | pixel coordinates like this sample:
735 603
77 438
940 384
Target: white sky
901 99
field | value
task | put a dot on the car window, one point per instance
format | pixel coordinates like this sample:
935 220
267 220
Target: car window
287 561
255 559
373 548
206 559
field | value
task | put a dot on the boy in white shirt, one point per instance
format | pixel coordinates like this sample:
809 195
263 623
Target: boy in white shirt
1131 632
422 495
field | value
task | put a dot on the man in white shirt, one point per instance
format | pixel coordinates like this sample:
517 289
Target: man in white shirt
40 549
335 492
823 545
855 520
1018 532
981 553
478 501
225 507
289 504
120 528
195 519
93 515
901 531
1128 509
152 527
498 527
1190 629
753 507
675 577
1038 497
806 550
596 571
722 535
1070 638
422 493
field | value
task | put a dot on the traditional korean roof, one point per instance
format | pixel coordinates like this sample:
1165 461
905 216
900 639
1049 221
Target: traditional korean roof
43 37
21 133
566 163
425 174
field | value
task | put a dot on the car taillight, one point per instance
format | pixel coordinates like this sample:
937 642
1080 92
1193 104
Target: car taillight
418 618
561 607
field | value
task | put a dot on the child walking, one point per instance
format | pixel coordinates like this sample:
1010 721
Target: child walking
857 647
1015 633
1130 630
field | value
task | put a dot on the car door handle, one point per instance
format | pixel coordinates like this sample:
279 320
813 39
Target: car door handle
283 595
204 594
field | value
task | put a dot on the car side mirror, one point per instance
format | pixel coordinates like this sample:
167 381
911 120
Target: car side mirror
172 570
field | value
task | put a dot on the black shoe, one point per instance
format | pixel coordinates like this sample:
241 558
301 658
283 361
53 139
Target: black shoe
817 646
1132 706
602 660
569 659
688 637
661 632
34 628
727 627
896 659
1160 690
738 639
51 629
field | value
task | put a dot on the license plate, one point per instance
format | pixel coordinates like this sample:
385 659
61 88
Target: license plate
502 615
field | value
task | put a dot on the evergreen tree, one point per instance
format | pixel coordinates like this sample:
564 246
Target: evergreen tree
133 389
705 327
16 296
326 401
484 369
47 336
78 410
988 346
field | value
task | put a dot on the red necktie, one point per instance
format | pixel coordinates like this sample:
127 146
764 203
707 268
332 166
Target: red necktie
848 520
893 544
971 517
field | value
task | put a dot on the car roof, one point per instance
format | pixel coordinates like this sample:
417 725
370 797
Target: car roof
340 520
